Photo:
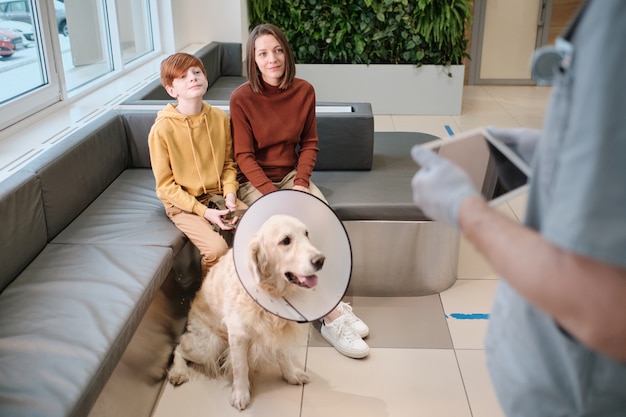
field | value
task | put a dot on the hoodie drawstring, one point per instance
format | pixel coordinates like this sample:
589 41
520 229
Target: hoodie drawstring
217 171
193 152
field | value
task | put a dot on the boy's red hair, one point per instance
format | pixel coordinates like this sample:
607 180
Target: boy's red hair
176 65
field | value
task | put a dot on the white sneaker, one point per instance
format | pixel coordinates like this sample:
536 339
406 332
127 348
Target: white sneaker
352 320
344 338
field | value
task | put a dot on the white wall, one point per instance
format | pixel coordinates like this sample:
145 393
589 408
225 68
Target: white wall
201 22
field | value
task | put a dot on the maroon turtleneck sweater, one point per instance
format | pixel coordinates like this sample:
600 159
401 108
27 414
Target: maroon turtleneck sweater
268 127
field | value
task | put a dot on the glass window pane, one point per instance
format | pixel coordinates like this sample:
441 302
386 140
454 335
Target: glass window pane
135 27
21 52
84 40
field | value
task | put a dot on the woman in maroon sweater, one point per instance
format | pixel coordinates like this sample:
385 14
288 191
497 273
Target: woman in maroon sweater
275 141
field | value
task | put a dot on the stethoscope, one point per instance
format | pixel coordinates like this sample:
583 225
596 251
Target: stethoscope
548 61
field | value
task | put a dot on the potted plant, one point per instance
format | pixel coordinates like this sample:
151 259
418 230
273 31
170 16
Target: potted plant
391 53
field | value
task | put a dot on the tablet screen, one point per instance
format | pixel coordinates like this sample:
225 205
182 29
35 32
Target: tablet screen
494 168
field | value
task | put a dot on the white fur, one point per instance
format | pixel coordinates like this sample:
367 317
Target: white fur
228 332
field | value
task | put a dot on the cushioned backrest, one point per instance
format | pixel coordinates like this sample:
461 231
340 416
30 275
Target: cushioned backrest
231 59
211 57
138 124
346 140
23 232
153 91
219 59
77 169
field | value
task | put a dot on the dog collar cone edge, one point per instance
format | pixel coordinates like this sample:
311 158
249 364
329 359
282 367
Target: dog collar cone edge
326 232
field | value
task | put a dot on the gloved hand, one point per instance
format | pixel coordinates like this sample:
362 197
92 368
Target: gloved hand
439 186
522 141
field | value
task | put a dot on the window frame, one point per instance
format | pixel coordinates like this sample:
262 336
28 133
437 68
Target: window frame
31 102
54 94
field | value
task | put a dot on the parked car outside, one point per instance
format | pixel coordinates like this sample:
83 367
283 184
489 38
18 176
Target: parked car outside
9 43
26 30
20 10
59 9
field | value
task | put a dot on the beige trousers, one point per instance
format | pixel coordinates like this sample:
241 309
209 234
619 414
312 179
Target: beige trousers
249 194
201 233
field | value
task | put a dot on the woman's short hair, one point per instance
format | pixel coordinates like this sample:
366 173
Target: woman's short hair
254 75
176 65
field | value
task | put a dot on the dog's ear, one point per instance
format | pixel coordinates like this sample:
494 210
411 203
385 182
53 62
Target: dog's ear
259 256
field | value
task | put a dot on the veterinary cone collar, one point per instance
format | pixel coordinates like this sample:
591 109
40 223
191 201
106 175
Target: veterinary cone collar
315 296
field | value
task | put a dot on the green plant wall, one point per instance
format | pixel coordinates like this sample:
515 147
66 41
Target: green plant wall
414 32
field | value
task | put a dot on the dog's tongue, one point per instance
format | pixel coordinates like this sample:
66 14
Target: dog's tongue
309 282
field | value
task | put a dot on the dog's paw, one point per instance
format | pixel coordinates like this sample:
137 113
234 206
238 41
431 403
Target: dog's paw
298 377
239 399
178 376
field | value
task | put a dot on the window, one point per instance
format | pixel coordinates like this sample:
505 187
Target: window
86 50
50 49
133 17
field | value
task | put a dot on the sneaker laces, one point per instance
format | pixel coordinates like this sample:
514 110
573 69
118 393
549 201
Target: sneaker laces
344 330
346 310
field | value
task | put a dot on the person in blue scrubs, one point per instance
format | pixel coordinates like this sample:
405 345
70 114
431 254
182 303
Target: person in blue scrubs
556 344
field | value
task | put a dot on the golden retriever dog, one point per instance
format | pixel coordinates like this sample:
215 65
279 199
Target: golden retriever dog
228 332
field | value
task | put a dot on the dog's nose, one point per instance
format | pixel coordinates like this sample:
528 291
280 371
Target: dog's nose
318 261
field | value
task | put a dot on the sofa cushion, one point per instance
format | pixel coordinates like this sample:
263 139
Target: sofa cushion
221 59
77 169
66 321
223 64
128 212
137 124
23 233
384 193
223 88
211 58
231 59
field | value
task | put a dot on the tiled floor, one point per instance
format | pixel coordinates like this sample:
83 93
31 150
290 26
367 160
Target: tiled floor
427 356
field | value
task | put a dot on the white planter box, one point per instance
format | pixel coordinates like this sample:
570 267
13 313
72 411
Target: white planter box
391 89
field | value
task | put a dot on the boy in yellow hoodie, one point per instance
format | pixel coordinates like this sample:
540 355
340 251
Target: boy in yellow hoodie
191 152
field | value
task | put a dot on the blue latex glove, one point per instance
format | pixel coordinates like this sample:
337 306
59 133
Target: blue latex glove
439 186
522 141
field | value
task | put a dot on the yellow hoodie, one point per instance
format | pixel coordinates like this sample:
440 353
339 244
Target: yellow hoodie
192 155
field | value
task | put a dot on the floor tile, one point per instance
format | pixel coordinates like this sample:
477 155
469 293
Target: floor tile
209 397
467 306
478 385
525 105
383 123
398 322
472 264
469 122
518 205
390 383
434 125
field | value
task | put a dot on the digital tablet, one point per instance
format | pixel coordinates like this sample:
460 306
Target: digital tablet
497 171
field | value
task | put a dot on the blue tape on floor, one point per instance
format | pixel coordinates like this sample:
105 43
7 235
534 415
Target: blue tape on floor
475 316
449 130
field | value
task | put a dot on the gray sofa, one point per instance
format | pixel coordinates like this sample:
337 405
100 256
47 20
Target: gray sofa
86 258
96 281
